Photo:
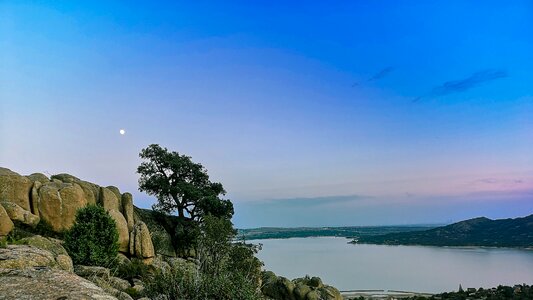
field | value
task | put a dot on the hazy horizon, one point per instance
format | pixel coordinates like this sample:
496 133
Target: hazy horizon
336 114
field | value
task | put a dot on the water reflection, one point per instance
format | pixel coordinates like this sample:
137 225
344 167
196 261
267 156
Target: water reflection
413 268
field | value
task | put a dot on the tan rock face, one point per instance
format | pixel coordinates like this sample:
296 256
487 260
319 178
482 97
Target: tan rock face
17 213
46 283
127 209
23 256
15 188
58 204
141 242
92 271
67 178
38 177
91 190
116 191
122 228
109 200
53 246
6 225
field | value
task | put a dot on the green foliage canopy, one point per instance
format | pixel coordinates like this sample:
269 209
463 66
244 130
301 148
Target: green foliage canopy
93 239
181 185
227 270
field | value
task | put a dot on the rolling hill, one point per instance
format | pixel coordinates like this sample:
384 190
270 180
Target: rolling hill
481 231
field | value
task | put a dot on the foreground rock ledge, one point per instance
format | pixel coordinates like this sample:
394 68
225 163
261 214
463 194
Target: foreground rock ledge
47 283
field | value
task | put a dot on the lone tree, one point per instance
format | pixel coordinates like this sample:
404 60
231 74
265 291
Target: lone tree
181 185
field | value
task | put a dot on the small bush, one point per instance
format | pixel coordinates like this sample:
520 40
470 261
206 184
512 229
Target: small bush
227 270
136 269
93 239
22 230
182 285
133 293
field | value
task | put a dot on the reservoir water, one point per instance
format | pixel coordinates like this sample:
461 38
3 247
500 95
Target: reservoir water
406 268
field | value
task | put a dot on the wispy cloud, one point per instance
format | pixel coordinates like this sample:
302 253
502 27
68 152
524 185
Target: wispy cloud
462 85
316 201
377 76
382 73
499 181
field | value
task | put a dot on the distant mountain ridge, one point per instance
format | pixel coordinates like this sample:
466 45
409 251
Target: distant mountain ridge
303 232
480 231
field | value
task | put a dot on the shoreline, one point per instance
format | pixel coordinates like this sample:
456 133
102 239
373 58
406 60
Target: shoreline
382 294
529 248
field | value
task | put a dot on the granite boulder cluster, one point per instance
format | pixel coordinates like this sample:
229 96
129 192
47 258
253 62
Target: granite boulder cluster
36 198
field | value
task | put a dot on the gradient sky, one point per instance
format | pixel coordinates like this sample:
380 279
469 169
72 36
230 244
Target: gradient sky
310 113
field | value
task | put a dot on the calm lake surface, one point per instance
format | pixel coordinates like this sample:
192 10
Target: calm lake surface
406 268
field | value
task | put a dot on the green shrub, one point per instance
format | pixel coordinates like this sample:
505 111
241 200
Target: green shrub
22 230
93 239
227 270
133 293
136 269
182 285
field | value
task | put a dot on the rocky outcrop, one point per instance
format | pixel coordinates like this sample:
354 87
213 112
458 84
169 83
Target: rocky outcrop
92 271
58 203
116 191
122 228
141 242
26 256
278 288
38 177
47 283
306 288
15 188
108 199
17 213
102 277
53 246
127 209
6 225
56 200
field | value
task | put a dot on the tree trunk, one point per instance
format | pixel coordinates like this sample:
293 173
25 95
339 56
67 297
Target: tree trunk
181 214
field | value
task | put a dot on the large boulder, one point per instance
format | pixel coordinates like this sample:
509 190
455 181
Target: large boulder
66 178
279 288
58 203
91 190
6 225
47 283
305 288
122 228
92 271
17 213
102 278
40 177
127 209
108 199
141 242
53 246
116 191
26 256
300 291
328 292
15 188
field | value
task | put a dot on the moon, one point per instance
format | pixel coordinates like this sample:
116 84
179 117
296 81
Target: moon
122 131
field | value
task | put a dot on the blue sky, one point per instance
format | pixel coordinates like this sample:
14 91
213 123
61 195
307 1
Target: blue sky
309 113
